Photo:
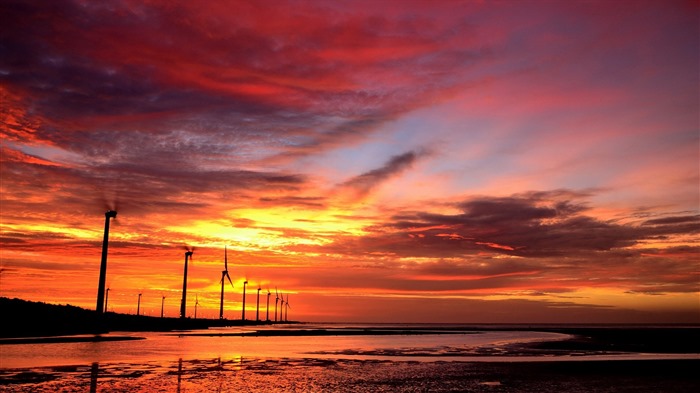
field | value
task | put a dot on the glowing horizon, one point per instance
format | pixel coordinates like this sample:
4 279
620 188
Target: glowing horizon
390 161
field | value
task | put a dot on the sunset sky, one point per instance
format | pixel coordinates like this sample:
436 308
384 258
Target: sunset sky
377 161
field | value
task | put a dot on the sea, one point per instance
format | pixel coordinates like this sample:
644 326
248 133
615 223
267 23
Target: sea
298 357
401 342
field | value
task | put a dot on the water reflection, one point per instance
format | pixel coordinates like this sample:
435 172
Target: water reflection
93 377
167 347
179 374
220 377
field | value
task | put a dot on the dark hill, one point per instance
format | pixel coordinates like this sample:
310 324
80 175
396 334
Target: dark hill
23 318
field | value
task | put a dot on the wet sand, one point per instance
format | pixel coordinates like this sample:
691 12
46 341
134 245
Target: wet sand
314 374
357 376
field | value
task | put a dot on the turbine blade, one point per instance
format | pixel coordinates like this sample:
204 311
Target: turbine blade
229 279
225 258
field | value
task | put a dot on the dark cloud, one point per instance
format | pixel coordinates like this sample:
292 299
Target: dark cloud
365 182
523 225
661 227
177 187
308 202
477 269
172 85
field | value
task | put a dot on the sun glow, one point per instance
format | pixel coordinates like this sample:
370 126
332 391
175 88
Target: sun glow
63 231
273 228
325 222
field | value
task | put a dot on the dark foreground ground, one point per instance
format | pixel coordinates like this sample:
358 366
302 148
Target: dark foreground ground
22 318
360 376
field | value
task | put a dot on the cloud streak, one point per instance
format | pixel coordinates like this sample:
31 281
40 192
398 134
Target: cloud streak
364 183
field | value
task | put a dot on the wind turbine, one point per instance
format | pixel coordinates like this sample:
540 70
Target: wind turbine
162 303
277 299
267 308
281 307
243 312
257 306
183 304
196 303
103 264
138 307
286 310
224 274
106 299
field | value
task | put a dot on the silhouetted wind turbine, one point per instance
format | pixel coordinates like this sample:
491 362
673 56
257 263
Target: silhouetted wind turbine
257 306
162 303
224 274
243 312
183 304
267 308
281 306
196 303
106 299
138 307
277 299
286 310
103 264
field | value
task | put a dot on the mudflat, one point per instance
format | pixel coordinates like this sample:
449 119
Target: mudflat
322 375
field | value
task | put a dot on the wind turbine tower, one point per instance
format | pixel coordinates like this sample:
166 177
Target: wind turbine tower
106 299
267 308
286 310
196 303
183 304
277 299
281 307
224 274
243 312
103 264
162 303
257 306
138 307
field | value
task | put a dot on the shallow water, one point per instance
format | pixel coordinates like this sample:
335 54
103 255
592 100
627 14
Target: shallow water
166 347
444 361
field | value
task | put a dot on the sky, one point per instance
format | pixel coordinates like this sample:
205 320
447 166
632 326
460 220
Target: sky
373 161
